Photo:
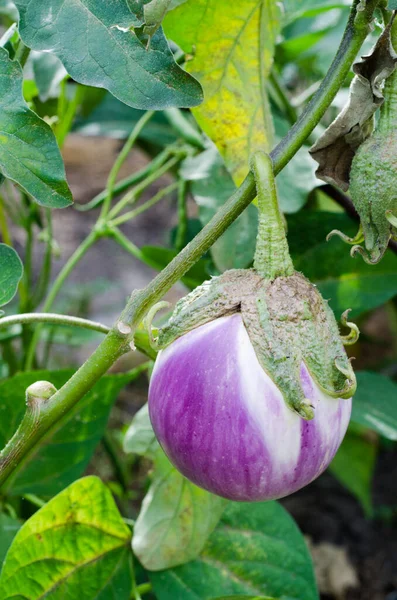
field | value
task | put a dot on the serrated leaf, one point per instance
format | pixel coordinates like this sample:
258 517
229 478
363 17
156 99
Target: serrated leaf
11 271
29 154
8 529
76 546
354 466
211 185
256 549
65 454
375 404
97 45
232 45
176 516
346 282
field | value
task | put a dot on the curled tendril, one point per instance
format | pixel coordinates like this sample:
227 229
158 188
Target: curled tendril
352 337
369 258
148 320
392 218
357 239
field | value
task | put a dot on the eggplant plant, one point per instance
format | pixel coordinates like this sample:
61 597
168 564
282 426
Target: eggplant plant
249 377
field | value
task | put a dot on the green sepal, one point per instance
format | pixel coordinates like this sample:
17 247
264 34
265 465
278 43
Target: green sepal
288 323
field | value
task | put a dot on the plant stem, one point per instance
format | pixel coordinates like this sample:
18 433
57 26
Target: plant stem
127 244
284 101
181 233
120 160
53 319
133 195
5 234
272 258
126 183
46 268
22 53
58 283
68 115
356 31
144 588
116 343
184 128
148 204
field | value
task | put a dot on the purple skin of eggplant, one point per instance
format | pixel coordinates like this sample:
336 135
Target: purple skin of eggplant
224 424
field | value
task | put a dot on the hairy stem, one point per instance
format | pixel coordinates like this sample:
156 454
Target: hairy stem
117 341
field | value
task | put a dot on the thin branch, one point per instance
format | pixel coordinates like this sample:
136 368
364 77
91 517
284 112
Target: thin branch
52 319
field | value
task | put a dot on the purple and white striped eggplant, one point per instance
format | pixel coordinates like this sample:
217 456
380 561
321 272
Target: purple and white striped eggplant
236 417
251 396
226 426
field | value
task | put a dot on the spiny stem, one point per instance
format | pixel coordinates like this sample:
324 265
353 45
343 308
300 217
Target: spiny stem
115 344
120 160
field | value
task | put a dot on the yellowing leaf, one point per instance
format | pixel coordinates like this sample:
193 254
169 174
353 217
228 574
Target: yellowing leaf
232 45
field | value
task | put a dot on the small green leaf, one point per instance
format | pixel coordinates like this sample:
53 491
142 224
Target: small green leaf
97 45
29 154
8 529
211 185
392 5
11 271
76 546
354 466
65 454
375 404
256 550
176 516
232 45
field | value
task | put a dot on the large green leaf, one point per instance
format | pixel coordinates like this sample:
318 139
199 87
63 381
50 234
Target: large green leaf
11 271
76 546
29 154
354 465
97 45
232 45
375 404
347 282
176 517
255 550
48 73
65 454
211 185
8 529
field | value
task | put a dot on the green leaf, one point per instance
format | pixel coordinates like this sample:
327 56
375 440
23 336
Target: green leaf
65 454
76 546
11 271
48 73
29 154
375 404
354 466
256 549
392 5
176 517
211 185
347 282
244 598
232 44
8 530
97 46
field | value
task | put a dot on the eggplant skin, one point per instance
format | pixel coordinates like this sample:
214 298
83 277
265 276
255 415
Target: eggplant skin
226 426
